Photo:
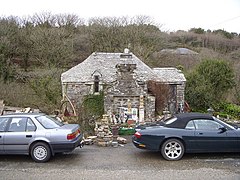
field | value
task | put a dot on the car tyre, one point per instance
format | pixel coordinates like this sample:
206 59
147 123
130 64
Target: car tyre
40 152
172 149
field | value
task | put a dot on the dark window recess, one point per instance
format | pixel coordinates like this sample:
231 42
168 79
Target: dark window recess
96 83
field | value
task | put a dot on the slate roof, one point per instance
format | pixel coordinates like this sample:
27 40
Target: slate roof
105 63
170 75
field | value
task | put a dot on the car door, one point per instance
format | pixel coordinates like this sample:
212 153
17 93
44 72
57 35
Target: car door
233 140
19 135
189 137
208 136
3 124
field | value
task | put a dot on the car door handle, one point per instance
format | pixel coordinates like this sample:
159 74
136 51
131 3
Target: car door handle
28 136
200 133
0 136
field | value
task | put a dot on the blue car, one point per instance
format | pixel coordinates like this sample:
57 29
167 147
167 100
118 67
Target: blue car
188 133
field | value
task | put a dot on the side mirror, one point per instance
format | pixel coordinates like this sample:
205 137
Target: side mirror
222 130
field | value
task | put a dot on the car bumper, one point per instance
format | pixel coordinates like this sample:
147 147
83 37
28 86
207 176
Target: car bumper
148 142
138 144
67 146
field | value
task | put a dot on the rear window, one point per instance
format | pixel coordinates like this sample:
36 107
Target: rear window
49 122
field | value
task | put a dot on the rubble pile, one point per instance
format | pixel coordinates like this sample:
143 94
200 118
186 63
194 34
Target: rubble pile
103 132
90 140
121 140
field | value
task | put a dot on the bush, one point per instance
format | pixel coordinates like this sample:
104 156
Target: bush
233 110
208 84
227 109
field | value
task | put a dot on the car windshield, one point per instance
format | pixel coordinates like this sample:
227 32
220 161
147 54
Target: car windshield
49 122
226 124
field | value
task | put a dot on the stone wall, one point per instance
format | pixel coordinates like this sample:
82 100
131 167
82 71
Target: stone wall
150 108
117 98
180 92
123 77
122 101
126 92
75 93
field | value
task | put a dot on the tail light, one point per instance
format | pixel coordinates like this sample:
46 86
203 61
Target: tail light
73 135
137 135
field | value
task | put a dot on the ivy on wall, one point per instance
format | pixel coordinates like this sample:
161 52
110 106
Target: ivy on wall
94 104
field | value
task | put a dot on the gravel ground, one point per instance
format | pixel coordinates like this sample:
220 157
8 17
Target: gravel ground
127 162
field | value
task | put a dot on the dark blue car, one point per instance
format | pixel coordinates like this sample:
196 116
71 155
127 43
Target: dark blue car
188 133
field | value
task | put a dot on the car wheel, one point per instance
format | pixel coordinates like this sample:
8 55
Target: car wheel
172 149
40 152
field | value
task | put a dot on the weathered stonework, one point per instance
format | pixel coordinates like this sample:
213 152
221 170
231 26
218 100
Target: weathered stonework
123 79
125 91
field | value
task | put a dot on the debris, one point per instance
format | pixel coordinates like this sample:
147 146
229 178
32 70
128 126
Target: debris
126 131
1 107
92 137
88 141
114 144
115 129
103 132
122 140
27 110
9 110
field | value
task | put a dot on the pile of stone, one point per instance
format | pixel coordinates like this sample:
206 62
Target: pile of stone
90 140
121 140
103 132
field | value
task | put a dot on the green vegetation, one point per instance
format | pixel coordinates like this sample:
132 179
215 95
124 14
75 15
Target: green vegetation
34 51
208 84
228 110
47 89
91 109
93 105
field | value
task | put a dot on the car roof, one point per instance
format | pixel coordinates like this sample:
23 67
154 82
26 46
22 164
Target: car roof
184 118
23 114
192 115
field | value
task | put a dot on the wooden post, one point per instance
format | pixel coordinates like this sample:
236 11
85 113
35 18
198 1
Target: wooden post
1 107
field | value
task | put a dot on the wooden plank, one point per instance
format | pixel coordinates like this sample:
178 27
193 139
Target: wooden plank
1 107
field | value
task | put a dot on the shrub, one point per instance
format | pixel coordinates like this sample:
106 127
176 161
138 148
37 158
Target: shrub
228 109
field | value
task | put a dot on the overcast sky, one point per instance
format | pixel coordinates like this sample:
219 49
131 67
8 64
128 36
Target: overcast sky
171 14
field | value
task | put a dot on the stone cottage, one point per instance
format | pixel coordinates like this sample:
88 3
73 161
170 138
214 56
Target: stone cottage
123 78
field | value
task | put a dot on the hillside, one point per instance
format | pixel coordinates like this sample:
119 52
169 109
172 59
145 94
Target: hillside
34 51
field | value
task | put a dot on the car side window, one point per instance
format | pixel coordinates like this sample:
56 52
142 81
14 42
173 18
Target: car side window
190 125
18 124
206 124
30 126
3 123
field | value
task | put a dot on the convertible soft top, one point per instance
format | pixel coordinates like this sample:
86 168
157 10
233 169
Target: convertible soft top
184 118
